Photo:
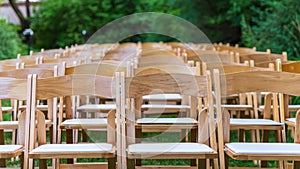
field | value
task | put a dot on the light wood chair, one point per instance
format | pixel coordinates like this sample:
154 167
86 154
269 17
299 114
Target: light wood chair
195 86
276 82
67 86
18 89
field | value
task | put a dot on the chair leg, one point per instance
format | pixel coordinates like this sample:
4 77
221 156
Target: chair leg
296 165
2 161
226 161
22 160
42 164
201 163
84 135
265 139
51 134
130 163
111 163
69 140
138 136
193 139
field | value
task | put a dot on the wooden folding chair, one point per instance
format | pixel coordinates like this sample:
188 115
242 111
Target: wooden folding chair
195 86
19 89
276 82
67 86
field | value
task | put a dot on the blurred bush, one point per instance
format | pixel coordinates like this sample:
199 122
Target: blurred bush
10 43
269 24
264 24
59 23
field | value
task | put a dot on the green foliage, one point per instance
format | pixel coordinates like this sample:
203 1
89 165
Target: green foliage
10 44
269 24
60 23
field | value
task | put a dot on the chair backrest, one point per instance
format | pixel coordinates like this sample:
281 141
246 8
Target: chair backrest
293 67
263 57
23 73
19 89
69 85
104 69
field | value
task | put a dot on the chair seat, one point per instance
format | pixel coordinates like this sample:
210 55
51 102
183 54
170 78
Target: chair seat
290 107
166 121
9 125
290 121
150 150
96 107
7 109
39 107
88 150
161 97
264 148
293 120
84 123
14 124
8 151
237 106
293 107
260 122
166 107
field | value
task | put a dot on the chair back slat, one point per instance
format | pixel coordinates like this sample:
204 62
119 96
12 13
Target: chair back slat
69 85
166 83
12 88
263 81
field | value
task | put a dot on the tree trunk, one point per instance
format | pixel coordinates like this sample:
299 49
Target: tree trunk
23 20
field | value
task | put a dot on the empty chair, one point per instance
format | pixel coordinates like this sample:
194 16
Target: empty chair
67 86
278 82
18 89
191 85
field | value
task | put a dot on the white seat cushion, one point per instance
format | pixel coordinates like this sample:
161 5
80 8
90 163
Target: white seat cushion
264 148
173 148
293 107
96 107
161 106
7 149
262 122
85 123
159 97
15 124
290 107
293 120
236 106
73 148
6 109
9 124
166 121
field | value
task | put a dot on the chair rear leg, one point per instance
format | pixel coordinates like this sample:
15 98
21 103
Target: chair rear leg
296 164
201 163
42 163
111 163
2 161
130 163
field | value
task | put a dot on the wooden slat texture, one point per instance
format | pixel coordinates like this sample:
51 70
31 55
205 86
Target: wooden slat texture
166 83
264 81
75 85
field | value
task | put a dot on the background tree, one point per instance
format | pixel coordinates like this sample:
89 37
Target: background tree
10 43
24 20
264 24
60 23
